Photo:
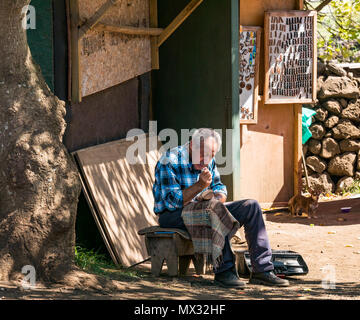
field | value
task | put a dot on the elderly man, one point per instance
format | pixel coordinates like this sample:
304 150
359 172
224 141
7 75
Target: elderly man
181 174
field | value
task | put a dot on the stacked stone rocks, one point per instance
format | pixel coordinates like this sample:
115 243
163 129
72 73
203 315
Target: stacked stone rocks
333 153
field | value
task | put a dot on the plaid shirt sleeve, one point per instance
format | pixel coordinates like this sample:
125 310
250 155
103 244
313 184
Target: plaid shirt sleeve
170 192
216 185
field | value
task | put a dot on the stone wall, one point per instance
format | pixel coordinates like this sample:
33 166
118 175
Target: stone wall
333 153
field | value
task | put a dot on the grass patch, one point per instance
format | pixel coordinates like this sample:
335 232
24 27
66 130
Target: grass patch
89 260
94 262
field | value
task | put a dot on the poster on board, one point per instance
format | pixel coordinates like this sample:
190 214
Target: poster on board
249 54
290 57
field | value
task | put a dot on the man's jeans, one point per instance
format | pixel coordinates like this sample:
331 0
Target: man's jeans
249 215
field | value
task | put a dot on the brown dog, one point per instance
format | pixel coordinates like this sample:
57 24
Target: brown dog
300 204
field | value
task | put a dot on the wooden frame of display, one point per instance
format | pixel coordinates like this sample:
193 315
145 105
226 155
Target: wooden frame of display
289 14
255 89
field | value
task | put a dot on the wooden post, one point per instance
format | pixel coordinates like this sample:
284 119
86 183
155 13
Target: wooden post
75 52
300 4
298 135
297 147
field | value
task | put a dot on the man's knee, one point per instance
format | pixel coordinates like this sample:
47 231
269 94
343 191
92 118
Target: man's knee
254 209
254 204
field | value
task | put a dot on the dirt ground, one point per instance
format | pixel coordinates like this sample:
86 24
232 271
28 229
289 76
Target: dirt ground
332 240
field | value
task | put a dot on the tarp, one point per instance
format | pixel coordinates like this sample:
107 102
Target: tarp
306 123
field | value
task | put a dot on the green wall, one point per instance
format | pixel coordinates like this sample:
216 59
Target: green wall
196 85
40 40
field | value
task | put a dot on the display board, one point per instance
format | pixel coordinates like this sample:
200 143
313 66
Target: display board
249 54
109 58
121 194
290 57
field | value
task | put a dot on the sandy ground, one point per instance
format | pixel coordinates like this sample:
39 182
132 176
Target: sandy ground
330 242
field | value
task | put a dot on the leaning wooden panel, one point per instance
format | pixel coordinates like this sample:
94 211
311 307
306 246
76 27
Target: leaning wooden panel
290 57
249 60
122 194
94 213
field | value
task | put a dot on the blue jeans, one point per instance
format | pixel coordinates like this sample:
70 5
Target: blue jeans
249 214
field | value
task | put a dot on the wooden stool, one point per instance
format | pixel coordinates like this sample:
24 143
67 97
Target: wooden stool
172 245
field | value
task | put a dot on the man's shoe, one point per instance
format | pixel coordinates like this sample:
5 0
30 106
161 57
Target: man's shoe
268 278
229 279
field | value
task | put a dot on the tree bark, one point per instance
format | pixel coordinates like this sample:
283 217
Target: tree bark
39 186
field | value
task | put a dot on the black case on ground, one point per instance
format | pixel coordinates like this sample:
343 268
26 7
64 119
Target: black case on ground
287 263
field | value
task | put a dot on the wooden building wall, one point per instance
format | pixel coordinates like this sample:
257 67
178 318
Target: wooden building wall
267 162
109 114
195 86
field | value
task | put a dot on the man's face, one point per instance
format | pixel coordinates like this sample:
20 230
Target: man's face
201 158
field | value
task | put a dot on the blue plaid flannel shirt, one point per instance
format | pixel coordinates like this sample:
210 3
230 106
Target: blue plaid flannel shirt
175 172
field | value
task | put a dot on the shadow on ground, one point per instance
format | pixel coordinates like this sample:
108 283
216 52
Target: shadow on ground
190 287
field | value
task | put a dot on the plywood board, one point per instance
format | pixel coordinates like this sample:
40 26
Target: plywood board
249 60
122 194
110 58
266 157
95 215
290 56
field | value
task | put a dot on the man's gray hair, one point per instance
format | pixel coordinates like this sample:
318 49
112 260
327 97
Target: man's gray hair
206 133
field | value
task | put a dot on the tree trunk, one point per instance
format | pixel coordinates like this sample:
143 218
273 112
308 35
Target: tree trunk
39 186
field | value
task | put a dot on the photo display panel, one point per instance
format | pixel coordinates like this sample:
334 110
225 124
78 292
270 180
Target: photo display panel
249 53
290 57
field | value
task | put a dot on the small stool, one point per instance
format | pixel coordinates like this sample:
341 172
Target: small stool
175 247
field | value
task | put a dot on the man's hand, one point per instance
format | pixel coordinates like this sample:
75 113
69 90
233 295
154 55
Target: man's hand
205 178
204 181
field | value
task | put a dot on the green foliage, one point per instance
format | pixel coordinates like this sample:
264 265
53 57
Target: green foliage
89 260
338 30
354 188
